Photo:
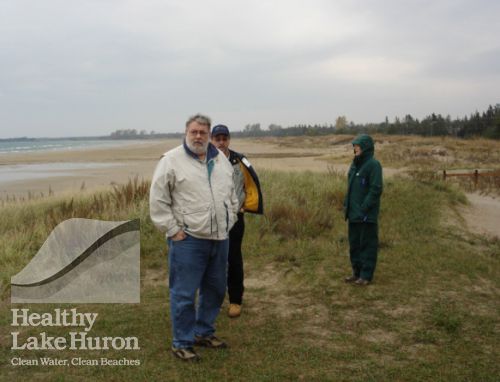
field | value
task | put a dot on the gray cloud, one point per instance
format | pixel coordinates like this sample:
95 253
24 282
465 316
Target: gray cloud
90 67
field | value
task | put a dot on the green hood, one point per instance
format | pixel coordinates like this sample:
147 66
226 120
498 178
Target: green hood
365 141
367 145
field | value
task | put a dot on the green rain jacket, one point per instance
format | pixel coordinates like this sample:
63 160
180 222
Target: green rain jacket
362 202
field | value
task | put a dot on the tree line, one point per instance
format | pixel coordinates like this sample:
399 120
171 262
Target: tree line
485 124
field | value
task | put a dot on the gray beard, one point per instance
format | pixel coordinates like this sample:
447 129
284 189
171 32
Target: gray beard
198 150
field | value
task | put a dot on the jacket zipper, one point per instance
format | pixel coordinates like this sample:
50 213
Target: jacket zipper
213 205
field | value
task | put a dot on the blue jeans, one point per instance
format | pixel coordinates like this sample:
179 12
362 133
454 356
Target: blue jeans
196 264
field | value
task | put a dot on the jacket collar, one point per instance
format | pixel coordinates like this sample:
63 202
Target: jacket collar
212 151
365 155
235 156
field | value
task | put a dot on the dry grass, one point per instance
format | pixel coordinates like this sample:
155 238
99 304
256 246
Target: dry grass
323 141
285 155
443 153
407 151
434 302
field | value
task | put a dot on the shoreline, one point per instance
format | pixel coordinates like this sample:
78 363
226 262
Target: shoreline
90 168
96 169
67 173
127 151
59 145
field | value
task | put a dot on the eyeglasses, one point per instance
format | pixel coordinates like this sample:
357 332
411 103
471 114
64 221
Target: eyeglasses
194 133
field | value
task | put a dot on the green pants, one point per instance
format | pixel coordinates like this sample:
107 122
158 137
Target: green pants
363 243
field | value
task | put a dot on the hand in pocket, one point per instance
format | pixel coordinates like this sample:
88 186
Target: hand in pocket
181 235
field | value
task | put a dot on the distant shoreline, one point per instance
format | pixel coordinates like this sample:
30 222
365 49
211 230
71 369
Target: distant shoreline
94 168
11 147
69 171
96 138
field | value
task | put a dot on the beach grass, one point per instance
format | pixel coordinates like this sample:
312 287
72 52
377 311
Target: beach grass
432 312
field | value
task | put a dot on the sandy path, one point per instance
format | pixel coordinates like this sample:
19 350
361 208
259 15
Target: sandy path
483 214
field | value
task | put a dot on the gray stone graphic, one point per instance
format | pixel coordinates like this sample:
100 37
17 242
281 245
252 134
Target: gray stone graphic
83 261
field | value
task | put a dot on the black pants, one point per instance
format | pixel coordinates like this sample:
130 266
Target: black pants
363 243
235 286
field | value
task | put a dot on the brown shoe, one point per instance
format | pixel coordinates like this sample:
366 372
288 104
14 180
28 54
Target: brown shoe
351 279
362 282
186 354
209 342
234 310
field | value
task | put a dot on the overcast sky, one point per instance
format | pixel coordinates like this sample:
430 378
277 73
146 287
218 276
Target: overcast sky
89 67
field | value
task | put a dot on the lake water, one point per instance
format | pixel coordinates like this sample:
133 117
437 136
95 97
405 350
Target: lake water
56 144
12 173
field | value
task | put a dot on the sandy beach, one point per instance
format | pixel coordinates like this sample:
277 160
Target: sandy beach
67 171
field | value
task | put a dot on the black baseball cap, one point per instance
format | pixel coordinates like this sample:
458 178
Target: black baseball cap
220 130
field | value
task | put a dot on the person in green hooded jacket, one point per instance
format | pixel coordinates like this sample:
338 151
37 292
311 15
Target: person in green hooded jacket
361 206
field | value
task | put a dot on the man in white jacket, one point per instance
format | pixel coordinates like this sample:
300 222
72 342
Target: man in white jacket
192 200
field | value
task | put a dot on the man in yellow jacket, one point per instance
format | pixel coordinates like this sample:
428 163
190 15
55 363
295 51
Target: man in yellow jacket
247 187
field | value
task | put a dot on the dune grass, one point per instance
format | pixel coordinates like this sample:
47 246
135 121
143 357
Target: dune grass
408 151
423 158
431 313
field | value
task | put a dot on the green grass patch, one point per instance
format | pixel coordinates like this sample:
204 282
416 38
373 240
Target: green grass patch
431 313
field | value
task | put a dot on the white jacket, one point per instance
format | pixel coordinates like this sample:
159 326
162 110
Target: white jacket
183 197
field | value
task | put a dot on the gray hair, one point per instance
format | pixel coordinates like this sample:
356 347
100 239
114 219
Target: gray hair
201 119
